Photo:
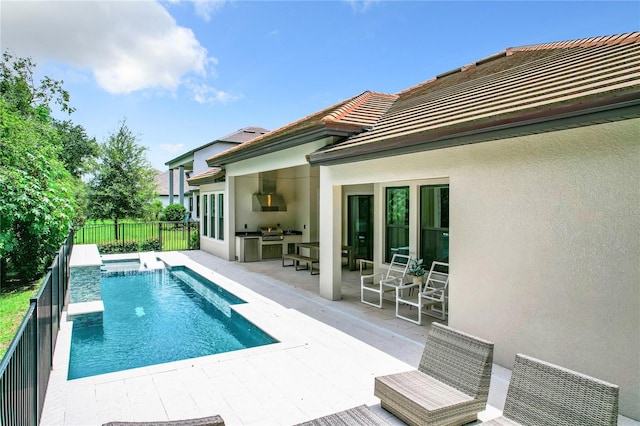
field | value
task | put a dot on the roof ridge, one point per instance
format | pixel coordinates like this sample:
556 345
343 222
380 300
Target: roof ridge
615 39
342 111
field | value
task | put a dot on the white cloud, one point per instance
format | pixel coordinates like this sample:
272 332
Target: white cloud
127 45
360 6
206 8
203 93
177 147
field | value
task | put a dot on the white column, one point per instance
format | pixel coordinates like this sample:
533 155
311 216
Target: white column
330 237
170 186
181 185
229 217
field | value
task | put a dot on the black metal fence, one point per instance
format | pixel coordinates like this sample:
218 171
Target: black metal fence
26 366
140 236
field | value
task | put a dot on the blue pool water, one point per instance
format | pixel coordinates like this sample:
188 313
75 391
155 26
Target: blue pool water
157 317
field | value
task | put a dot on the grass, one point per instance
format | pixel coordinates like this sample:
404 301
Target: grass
14 304
175 236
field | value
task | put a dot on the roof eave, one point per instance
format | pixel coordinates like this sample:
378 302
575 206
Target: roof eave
331 129
610 108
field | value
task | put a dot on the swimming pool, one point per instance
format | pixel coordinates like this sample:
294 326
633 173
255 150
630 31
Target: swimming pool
157 317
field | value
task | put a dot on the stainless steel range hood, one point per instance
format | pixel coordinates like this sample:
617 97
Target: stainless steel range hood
267 199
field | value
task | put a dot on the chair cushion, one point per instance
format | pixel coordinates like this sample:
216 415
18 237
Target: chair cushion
418 398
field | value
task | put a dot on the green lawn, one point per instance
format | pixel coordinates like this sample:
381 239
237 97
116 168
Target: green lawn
14 304
174 235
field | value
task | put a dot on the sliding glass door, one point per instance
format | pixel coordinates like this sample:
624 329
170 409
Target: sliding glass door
434 224
360 225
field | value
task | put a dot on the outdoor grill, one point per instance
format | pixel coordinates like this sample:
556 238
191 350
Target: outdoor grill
272 233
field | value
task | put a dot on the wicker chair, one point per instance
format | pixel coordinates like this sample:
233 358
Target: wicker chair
202 421
360 416
542 394
451 384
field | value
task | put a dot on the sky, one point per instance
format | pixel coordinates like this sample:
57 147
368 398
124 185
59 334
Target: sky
184 73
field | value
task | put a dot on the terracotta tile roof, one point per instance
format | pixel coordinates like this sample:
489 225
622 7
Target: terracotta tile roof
343 119
208 176
501 90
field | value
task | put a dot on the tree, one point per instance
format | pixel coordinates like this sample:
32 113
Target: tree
77 150
37 205
123 183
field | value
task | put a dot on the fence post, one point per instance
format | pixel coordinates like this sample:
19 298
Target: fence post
36 363
160 234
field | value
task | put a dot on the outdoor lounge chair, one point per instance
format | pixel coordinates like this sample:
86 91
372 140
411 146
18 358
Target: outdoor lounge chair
360 416
381 283
202 421
432 294
450 386
543 394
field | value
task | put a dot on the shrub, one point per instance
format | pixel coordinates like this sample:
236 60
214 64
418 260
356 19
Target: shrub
174 212
195 241
152 244
113 247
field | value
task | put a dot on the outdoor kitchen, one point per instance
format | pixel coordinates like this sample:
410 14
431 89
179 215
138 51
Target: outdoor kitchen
269 222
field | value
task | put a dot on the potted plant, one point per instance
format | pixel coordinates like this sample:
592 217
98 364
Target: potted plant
417 270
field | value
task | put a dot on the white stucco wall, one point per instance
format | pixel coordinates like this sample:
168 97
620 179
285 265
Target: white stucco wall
544 244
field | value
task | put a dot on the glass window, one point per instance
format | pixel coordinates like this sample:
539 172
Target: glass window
396 221
212 224
221 216
204 215
434 224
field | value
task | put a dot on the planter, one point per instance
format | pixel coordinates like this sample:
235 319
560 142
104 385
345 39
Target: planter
418 280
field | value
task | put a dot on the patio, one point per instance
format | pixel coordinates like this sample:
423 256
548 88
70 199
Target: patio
326 361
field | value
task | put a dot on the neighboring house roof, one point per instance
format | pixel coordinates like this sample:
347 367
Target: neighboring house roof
238 137
162 182
208 176
340 120
517 87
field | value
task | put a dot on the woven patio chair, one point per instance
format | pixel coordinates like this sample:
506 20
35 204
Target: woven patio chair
543 394
381 283
202 421
360 416
450 386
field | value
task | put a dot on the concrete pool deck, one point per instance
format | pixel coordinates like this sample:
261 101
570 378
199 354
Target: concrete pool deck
326 361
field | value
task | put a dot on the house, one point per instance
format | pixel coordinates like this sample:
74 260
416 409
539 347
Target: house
194 162
521 170
162 185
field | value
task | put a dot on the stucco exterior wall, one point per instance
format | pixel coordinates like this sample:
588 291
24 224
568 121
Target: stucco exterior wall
544 244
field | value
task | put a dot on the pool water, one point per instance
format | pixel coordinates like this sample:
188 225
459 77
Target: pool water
157 317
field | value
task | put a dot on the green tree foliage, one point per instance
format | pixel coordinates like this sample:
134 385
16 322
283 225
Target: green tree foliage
153 210
78 151
174 212
37 204
123 183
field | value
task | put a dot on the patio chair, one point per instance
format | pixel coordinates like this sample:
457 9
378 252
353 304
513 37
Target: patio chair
202 421
450 386
381 282
432 294
544 394
361 416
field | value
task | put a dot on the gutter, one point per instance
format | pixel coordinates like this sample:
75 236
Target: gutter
575 114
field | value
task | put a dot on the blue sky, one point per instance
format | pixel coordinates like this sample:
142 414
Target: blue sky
183 73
